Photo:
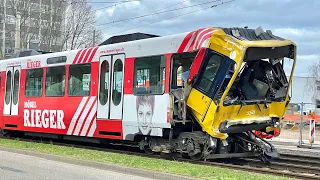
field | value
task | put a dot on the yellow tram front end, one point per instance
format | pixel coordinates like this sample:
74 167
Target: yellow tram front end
242 86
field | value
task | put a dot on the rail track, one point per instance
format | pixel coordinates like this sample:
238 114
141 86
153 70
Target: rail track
293 163
300 167
286 165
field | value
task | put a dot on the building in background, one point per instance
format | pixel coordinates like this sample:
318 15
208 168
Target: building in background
39 26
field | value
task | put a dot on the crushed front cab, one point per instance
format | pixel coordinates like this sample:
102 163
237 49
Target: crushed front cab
240 84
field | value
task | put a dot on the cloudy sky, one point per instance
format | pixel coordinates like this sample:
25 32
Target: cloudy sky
296 20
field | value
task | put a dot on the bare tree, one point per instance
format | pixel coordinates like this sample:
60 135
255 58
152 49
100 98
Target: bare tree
39 22
9 23
52 26
313 83
29 22
87 38
56 25
22 7
79 26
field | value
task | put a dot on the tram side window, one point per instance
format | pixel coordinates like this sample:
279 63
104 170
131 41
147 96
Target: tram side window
79 80
34 80
180 68
149 75
104 82
8 87
55 81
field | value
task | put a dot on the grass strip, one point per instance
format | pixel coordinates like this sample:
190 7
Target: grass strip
181 168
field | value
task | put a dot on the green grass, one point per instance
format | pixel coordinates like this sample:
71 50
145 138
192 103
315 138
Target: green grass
192 170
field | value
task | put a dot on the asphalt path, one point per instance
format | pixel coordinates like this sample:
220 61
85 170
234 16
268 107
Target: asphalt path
15 166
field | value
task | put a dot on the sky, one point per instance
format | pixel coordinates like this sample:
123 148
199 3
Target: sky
297 20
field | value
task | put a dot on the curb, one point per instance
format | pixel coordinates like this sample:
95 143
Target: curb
98 165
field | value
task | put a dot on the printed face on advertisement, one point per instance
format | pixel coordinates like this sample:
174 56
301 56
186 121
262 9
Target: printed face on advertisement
144 118
145 105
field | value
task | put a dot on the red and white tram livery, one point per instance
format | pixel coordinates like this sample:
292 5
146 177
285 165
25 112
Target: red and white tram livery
125 91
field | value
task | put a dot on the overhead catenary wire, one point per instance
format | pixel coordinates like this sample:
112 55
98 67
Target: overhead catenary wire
171 5
108 2
157 12
101 2
216 5
191 12
66 4
91 10
116 4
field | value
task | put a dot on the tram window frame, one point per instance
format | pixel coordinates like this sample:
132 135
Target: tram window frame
63 80
69 80
41 82
162 65
16 86
7 91
116 100
203 75
182 61
103 85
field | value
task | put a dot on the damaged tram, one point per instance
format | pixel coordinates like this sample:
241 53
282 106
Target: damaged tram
206 94
237 91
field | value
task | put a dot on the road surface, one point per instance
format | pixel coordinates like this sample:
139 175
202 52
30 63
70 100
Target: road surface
17 166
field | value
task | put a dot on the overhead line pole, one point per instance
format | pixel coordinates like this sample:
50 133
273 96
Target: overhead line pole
17 29
17 37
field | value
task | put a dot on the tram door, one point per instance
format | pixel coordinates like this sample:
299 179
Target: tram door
11 97
110 94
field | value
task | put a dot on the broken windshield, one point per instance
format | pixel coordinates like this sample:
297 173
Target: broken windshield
258 81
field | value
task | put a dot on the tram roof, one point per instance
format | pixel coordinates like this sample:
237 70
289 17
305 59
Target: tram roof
127 38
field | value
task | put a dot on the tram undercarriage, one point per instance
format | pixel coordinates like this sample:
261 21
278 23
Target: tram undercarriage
200 146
